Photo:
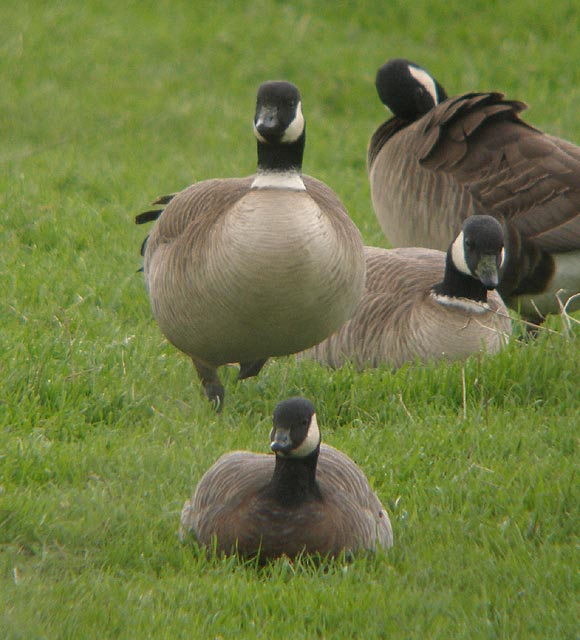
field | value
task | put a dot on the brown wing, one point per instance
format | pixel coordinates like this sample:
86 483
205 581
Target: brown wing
323 195
510 169
363 521
337 215
395 280
195 209
382 135
230 482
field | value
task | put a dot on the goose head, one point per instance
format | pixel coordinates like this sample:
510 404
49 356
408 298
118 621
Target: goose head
478 251
407 89
280 130
278 118
295 432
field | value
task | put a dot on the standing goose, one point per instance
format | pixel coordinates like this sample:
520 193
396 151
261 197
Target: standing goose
420 304
439 160
310 498
242 269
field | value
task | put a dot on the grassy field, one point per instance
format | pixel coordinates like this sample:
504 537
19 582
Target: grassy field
103 428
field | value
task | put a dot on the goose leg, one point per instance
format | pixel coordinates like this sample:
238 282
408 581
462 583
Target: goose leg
212 386
249 369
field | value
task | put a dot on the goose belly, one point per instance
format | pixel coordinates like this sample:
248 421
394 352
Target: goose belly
272 279
564 284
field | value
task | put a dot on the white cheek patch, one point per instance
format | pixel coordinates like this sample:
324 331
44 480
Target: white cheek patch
309 443
501 258
426 81
458 255
295 129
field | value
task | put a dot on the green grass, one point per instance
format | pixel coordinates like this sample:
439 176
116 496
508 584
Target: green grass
103 429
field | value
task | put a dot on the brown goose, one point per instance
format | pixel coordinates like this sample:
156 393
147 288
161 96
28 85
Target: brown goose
439 160
421 304
242 269
309 498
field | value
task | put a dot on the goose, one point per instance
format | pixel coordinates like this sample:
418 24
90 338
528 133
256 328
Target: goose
308 498
242 269
422 304
439 160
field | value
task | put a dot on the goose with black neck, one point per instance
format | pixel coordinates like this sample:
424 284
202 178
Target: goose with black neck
422 304
440 160
242 269
310 499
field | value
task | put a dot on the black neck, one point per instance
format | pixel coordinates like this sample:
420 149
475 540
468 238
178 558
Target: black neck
294 479
459 285
281 156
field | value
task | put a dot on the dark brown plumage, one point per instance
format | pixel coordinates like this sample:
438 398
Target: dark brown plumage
309 498
431 166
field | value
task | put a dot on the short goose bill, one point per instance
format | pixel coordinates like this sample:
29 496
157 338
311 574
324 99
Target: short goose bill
487 270
266 119
282 444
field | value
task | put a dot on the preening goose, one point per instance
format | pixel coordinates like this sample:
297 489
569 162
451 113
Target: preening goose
308 498
439 160
242 269
423 304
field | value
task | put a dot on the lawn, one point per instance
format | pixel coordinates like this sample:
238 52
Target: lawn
103 428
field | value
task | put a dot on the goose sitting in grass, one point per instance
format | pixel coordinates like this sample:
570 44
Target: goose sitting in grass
308 498
241 269
422 304
439 160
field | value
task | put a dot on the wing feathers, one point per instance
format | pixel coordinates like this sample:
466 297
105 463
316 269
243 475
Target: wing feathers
509 167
